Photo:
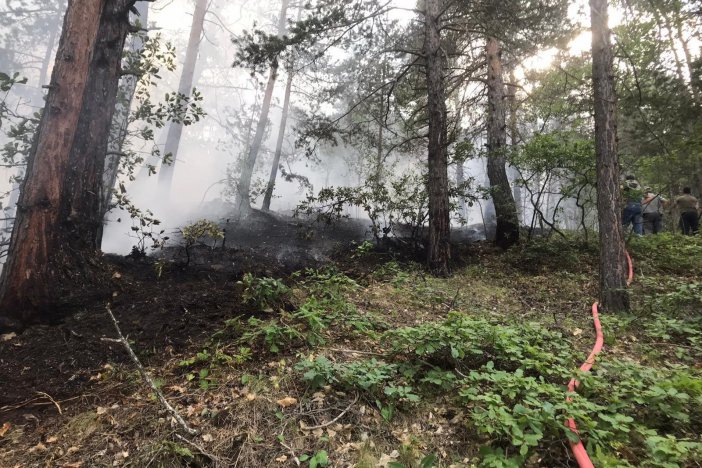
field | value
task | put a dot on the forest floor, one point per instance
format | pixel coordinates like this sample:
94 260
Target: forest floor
361 359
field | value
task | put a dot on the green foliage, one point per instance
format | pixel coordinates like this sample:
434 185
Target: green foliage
380 381
259 49
7 81
396 206
473 340
198 231
202 364
144 225
275 335
266 294
363 249
566 159
554 254
319 459
310 322
668 253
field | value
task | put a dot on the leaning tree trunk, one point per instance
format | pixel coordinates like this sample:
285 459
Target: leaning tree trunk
185 87
55 233
247 167
439 221
120 120
507 229
279 144
613 293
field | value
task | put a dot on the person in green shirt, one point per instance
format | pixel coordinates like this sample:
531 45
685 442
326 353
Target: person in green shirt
689 212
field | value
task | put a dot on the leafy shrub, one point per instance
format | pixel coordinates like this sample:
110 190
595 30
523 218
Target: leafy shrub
464 338
397 206
266 294
198 231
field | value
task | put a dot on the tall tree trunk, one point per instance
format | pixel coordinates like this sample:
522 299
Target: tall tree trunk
613 293
379 159
120 121
281 131
507 229
439 221
279 144
689 61
185 87
54 235
460 180
514 141
48 54
247 168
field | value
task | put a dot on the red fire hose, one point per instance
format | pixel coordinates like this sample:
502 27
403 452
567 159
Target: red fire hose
578 448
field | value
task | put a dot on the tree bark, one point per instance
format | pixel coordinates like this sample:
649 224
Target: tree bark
439 221
613 293
185 87
247 168
507 229
279 144
55 233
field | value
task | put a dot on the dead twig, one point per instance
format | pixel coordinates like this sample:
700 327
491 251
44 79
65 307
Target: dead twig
453 302
200 449
292 452
58 407
354 351
327 424
147 378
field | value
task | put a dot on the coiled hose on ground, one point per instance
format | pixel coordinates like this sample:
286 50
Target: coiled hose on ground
578 448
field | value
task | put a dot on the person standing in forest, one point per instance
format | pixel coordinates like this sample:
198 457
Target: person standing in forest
689 212
652 209
632 194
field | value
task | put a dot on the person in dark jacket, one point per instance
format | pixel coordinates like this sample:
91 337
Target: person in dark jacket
689 212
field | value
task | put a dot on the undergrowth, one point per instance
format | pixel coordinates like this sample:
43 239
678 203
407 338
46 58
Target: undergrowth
394 368
506 375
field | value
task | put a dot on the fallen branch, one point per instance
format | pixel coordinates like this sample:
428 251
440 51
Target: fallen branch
354 351
327 424
200 449
147 378
58 408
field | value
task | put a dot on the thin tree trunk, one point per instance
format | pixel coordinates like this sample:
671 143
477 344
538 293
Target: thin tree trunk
247 168
48 55
281 132
507 229
120 121
54 236
613 293
185 87
439 221
514 142
279 144
381 129
460 180
689 61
